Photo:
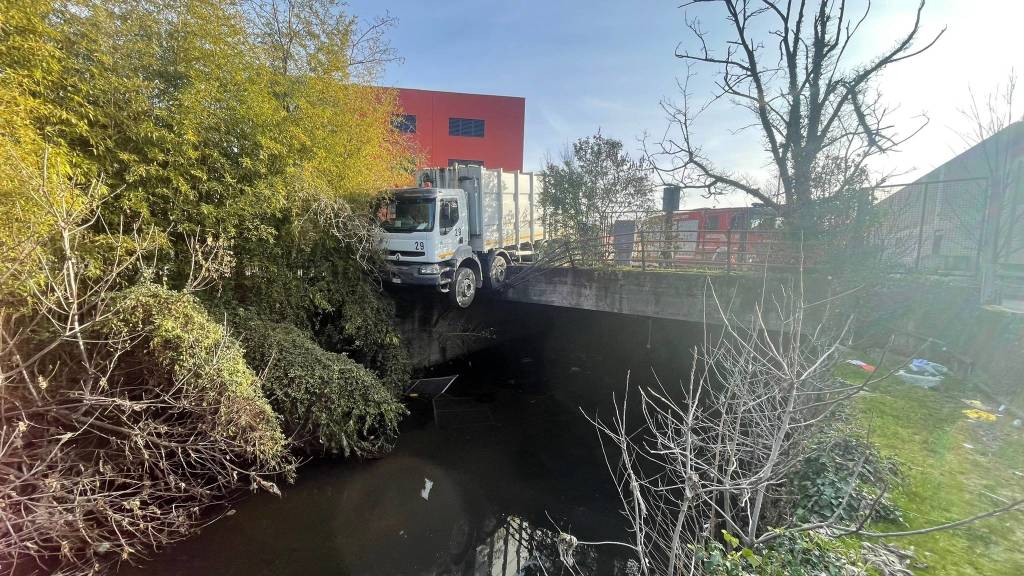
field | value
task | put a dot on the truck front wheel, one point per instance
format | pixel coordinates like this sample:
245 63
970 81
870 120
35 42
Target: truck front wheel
463 287
497 271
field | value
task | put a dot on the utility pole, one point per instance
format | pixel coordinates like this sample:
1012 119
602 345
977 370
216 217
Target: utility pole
989 264
669 204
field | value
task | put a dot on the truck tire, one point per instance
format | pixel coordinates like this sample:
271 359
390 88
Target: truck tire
497 271
462 290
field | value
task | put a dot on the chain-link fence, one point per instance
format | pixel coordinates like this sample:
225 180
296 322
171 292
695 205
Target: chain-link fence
934 226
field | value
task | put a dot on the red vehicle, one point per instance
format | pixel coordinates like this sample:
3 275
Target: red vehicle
735 235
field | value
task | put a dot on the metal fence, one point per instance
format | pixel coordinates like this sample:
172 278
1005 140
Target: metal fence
934 226
730 250
660 249
929 227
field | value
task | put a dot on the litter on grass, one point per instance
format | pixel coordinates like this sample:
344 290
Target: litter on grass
862 365
980 415
927 368
918 379
976 404
923 373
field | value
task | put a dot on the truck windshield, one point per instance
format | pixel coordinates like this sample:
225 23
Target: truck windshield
409 215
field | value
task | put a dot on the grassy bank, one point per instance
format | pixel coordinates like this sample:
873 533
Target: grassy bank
954 467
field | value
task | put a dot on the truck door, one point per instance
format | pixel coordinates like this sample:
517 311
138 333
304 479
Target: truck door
452 228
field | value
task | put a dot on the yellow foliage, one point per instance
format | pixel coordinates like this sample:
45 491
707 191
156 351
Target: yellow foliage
351 155
29 166
180 108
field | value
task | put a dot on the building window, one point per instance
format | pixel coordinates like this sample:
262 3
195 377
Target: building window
460 162
466 127
405 123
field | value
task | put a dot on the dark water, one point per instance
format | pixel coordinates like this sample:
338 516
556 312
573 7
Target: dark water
481 489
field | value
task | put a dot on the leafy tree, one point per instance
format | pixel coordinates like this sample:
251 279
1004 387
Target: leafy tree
595 183
28 62
149 149
207 131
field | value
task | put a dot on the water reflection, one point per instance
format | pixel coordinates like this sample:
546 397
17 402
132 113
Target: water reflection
475 496
518 548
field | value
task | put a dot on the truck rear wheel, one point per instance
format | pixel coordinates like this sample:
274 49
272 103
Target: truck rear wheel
463 287
497 271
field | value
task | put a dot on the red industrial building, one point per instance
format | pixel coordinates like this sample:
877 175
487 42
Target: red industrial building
452 127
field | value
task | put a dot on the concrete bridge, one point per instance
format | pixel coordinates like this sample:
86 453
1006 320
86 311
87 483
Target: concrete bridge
437 332
669 294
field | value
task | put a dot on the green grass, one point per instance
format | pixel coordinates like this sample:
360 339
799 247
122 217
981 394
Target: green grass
944 479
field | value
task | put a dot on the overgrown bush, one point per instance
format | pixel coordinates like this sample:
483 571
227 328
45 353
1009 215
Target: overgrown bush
186 351
329 403
126 434
841 458
321 285
361 326
803 554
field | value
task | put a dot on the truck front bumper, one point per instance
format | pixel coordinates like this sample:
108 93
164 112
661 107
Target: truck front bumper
410 274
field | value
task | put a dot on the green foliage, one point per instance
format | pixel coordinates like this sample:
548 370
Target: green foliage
184 110
801 554
328 401
595 184
359 323
193 136
226 122
322 287
27 63
183 347
842 461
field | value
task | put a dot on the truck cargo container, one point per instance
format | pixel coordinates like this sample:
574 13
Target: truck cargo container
461 228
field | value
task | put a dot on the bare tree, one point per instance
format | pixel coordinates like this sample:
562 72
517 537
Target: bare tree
317 37
358 231
806 103
715 453
994 130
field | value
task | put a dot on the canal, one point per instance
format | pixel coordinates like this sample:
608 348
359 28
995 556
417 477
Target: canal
481 481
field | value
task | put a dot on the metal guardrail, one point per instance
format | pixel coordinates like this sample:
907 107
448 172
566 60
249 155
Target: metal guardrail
719 250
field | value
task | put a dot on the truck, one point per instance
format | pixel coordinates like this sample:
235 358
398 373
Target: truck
461 228
713 234
735 235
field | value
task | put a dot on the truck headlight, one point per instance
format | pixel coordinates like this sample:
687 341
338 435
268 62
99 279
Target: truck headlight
430 269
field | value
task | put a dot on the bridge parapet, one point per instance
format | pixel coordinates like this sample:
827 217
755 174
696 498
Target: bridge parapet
675 295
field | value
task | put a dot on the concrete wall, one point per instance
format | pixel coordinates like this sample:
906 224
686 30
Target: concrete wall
504 119
670 295
435 331
940 319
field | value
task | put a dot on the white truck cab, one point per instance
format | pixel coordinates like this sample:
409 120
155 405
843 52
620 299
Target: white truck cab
461 229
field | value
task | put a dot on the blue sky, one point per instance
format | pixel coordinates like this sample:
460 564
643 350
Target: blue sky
585 65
